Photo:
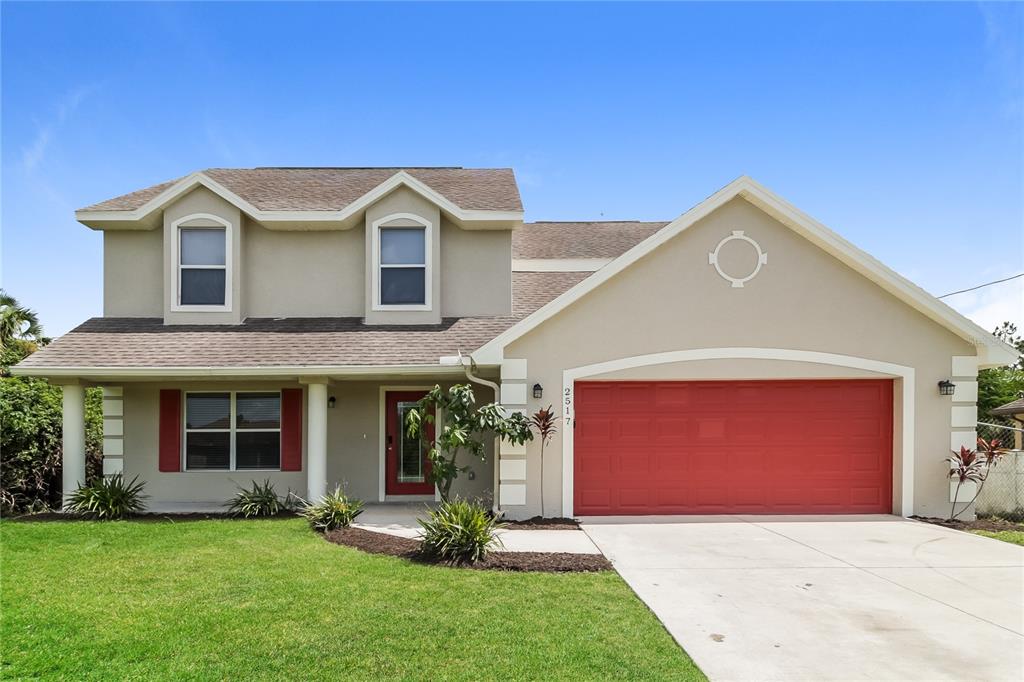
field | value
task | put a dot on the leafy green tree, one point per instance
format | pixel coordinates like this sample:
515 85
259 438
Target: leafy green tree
464 428
31 420
20 331
1000 385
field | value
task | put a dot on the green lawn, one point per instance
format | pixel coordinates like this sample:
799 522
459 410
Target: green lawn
1014 536
225 599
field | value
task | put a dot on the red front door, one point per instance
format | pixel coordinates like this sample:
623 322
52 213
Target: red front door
407 469
733 447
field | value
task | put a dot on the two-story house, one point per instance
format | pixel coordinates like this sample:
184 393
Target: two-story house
278 322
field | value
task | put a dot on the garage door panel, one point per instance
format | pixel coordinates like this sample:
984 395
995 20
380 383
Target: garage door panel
747 462
632 428
672 395
821 446
710 427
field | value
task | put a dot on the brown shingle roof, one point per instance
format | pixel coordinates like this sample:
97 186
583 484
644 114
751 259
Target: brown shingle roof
264 342
605 239
332 189
1009 409
534 289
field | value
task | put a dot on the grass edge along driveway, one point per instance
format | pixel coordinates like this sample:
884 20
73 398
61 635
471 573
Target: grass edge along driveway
225 599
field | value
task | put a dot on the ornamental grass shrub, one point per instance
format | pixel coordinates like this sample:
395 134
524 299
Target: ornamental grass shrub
333 510
108 498
460 531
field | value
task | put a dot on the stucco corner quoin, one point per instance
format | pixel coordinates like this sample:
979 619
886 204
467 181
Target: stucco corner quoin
991 351
903 467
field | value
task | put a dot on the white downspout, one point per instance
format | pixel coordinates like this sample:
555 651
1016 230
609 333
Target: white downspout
468 365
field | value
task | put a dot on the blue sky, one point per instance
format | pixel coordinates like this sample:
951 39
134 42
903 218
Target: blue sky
899 126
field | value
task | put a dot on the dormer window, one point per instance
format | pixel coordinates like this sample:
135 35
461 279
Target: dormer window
402 250
202 263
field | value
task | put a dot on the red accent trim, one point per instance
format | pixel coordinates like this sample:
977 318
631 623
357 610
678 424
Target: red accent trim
393 435
291 429
170 429
733 447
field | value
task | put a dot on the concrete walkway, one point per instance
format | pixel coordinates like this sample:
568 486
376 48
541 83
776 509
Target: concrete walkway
400 519
826 598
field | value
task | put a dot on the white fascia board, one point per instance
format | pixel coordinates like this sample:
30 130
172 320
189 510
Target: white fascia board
401 178
991 350
279 371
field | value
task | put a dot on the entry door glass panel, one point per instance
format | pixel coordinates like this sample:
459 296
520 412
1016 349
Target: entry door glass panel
411 453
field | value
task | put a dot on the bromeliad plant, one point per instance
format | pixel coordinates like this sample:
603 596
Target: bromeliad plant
543 422
333 510
260 500
108 498
464 428
972 466
459 531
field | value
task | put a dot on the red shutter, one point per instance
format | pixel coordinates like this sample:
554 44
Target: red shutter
291 429
170 430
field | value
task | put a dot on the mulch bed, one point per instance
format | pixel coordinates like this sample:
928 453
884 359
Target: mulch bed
977 524
407 548
541 523
149 517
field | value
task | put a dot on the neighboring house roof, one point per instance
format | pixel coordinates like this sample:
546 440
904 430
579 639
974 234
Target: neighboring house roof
103 344
597 239
1009 409
991 350
332 189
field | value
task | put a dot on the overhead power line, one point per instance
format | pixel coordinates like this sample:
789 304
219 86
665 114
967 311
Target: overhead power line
981 286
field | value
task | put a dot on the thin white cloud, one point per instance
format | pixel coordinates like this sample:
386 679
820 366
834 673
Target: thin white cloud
993 305
1003 24
34 154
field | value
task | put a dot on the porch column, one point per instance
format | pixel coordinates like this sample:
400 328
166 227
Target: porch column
316 449
73 438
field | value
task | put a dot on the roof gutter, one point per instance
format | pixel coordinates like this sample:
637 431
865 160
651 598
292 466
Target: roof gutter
258 371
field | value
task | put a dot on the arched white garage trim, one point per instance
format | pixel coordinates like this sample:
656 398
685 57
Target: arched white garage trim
904 466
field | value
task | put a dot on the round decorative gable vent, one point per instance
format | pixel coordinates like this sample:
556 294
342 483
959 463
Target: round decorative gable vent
738 282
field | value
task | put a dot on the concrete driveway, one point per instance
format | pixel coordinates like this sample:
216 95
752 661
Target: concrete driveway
826 598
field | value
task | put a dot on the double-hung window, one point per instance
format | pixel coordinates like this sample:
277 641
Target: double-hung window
403 265
233 430
202 272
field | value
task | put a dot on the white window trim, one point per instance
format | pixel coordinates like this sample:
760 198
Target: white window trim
176 227
428 257
232 429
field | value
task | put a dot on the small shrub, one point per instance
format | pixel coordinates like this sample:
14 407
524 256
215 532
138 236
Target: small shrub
335 510
108 498
459 531
260 500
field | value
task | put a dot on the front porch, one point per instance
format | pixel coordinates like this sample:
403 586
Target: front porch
191 440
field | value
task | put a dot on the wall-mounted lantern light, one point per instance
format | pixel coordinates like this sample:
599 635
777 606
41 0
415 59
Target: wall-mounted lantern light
538 391
331 402
946 387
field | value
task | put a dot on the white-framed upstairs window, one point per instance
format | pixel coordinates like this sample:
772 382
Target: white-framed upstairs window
201 257
402 249
232 431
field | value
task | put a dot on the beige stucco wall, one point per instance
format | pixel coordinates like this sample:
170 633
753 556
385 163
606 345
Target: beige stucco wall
133 273
477 275
353 447
308 273
302 274
802 299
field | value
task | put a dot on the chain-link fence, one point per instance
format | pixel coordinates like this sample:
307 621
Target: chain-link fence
1003 492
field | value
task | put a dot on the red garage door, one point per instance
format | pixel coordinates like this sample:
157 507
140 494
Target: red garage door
743 447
